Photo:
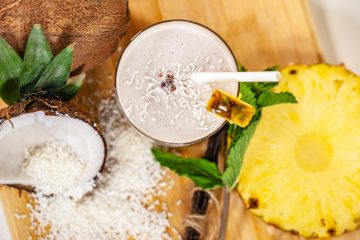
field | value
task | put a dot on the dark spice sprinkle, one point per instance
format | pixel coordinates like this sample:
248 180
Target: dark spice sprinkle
170 76
168 81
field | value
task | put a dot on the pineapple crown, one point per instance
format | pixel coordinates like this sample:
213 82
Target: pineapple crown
39 72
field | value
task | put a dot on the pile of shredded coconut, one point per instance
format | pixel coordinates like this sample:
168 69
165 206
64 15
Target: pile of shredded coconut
121 205
42 163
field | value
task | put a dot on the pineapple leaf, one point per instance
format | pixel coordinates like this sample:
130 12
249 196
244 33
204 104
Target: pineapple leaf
204 173
70 90
270 98
58 71
37 56
236 155
10 91
10 67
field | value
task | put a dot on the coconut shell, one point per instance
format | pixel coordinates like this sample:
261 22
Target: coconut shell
51 107
94 26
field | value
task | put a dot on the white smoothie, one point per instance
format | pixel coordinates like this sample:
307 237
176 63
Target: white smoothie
153 87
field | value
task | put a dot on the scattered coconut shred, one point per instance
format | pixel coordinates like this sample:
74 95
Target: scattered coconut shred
122 204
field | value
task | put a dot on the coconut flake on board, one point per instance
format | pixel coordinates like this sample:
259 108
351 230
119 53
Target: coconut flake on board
122 205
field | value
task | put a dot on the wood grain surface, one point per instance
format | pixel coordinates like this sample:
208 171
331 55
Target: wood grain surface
261 33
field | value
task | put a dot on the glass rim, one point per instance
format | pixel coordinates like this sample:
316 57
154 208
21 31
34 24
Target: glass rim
170 144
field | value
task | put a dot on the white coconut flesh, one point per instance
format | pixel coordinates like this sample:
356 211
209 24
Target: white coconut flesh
35 128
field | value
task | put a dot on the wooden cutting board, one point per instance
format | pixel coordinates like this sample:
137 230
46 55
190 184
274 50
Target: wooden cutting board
261 33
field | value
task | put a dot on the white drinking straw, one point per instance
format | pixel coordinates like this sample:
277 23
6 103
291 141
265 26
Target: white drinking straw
208 77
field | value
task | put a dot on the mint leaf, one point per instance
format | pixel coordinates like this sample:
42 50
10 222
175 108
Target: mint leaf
247 94
259 87
273 68
240 67
263 86
231 130
269 98
205 174
236 155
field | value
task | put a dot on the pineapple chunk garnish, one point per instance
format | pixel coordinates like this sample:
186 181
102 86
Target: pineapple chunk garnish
231 108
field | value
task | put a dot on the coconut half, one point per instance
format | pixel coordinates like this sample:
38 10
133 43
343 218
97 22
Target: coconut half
34 121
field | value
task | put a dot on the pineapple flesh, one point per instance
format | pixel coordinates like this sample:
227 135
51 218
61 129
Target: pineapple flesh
301 170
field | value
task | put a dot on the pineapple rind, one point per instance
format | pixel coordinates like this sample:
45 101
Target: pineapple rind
291 190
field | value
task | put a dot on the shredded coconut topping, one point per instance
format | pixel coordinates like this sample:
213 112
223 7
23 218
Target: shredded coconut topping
169 89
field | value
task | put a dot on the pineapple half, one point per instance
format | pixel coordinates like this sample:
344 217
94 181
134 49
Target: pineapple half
301 171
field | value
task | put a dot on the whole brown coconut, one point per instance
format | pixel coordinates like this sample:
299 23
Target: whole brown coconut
94 26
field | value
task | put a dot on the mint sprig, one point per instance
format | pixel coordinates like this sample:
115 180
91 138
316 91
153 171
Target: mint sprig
236 155
205 174
268 98
247 94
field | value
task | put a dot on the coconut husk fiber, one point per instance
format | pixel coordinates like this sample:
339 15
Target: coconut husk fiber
94 26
